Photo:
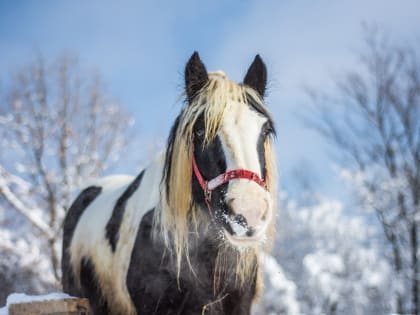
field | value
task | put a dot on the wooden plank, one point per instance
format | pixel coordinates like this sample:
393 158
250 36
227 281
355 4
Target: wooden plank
62 306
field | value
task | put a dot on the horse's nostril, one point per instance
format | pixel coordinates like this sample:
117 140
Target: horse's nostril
250 232
230 202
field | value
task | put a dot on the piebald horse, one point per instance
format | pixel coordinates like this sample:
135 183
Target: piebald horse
184 236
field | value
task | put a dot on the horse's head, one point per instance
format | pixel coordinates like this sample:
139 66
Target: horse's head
230 147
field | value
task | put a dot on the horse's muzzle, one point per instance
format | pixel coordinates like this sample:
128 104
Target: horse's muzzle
250 213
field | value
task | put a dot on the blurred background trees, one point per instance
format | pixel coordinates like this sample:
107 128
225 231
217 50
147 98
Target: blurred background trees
373 119
58 129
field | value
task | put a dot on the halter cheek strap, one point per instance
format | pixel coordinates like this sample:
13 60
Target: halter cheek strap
209 186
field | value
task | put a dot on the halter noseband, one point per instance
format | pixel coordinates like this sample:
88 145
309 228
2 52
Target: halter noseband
210 185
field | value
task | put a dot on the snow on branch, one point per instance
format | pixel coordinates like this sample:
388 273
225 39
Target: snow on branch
29 213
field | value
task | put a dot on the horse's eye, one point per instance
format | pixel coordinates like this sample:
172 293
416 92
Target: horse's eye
268 130
199 133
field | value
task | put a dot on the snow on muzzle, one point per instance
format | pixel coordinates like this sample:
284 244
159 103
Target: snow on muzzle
250 212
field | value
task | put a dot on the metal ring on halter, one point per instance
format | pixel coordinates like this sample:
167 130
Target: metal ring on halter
207 194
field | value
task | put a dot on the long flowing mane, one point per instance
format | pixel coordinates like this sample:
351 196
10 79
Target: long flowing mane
179 218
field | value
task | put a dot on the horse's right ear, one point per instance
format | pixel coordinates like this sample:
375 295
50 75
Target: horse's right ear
195 76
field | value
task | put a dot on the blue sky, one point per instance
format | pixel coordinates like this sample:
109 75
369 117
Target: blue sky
141 49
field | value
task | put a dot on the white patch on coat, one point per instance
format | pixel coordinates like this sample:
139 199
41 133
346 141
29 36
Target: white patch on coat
241 129
89 238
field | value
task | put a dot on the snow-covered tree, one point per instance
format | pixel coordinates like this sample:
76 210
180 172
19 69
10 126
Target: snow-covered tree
58 129
333 259
374 118
279 295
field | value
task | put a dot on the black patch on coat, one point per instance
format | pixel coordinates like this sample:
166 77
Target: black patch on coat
155 289
266 131
211 162
114 223
261 155
73 215
91 288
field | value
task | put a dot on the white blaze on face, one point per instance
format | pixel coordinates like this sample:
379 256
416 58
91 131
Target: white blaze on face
239 136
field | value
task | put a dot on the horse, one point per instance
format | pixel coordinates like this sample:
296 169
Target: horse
184 235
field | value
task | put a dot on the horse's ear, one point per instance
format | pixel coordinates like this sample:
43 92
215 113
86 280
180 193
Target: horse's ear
195 76
256 77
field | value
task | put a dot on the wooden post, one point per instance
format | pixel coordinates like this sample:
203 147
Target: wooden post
52 307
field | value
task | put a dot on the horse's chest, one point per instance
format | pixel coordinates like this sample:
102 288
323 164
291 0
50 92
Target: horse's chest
154 287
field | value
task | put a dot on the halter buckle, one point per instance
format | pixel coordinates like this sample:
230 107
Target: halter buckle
207 193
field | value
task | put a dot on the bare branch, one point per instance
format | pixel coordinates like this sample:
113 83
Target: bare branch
66 129
27 212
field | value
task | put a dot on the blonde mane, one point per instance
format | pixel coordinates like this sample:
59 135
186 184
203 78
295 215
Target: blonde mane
178 217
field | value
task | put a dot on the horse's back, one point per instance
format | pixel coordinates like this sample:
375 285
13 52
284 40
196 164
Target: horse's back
95 253
85 205
91 228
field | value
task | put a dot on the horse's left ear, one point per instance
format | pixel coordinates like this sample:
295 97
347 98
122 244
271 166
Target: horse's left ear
256 77
195 76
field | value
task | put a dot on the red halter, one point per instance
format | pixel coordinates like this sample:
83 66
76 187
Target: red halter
210 185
